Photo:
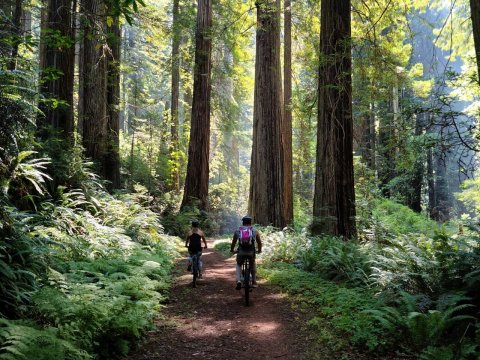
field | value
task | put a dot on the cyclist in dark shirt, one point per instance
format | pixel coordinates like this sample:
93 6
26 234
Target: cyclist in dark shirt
193 242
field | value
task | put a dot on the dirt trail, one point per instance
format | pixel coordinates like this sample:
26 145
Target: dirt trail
212 322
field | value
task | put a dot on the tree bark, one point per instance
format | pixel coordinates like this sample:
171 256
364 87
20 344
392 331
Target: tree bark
414 200
386 150
94 71
196 181
287 127
17 30
267 202
475 13
112 156
334 199
443 201
431 184
59 56
6 7
174 147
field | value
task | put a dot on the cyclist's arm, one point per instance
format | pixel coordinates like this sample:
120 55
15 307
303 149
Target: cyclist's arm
187 239
259 243
204 239
234 241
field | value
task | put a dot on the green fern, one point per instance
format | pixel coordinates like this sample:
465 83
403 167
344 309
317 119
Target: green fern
22 340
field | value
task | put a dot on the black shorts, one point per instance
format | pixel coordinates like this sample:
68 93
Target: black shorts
242 254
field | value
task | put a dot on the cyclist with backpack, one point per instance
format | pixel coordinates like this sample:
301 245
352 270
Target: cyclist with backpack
247 236
193 241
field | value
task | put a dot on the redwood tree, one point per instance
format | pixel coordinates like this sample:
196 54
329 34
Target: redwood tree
266 202
112 155
176 37
17 30
196 181
334 199
57 66
93 72
287 127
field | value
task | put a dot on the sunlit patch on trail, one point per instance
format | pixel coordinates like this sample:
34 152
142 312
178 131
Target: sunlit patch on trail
273 296
263 328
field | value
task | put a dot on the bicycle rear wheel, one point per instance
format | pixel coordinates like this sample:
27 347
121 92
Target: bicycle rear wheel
246 281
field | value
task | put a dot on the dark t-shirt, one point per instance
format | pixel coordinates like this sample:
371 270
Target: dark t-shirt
195 243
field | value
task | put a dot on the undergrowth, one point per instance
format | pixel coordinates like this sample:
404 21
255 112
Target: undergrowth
409 286
96 277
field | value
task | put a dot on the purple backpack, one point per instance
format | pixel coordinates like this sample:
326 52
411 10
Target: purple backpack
246 237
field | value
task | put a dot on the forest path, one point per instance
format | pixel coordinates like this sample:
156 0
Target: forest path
212 322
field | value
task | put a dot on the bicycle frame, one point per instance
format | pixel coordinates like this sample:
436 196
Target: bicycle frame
247 278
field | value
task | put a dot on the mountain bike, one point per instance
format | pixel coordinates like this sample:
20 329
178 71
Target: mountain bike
196 267
247 278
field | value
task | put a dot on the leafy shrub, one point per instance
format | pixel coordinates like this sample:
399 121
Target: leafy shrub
395 219
223 246
336 259
286 246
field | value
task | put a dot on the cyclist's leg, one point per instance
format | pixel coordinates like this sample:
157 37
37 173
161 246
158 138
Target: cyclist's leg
189 261
254 271
200 264
239 270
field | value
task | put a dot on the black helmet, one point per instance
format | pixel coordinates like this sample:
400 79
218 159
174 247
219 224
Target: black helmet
195 223
247 220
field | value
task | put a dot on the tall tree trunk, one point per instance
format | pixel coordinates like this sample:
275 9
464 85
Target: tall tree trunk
81 68
287 127
174 147
475 13
17 30
94 71
368 146
431 184
196 181
6 23
386 149
112 157
267 202
59 57
414 200
334 199
443 201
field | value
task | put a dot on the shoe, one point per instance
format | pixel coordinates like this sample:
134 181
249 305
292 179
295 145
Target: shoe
189 268
254 284
239 286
